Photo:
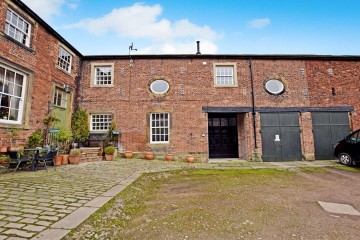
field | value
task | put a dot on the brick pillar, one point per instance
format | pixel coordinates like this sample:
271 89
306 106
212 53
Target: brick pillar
307 137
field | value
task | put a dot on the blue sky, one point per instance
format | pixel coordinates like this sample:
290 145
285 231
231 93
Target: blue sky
223 26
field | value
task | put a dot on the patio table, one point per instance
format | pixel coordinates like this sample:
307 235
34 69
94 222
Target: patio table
34 159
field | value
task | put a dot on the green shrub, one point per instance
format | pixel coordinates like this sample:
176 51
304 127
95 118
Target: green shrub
80 126
109 150
75 152
35 139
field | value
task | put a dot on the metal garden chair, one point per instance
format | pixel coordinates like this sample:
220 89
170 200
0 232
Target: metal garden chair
48 158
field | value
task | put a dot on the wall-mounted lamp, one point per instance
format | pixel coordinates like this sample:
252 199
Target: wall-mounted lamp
66 87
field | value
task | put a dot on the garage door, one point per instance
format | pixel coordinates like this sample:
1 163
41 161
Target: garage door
280 133
328 129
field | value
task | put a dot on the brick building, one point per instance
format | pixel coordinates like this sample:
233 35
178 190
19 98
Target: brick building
258 107
35 65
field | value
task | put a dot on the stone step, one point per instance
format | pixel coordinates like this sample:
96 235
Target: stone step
90 150
91 159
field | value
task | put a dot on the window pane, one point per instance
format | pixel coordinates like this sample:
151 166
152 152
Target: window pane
4 113
159 127
225 75
100 122
17 28
5 100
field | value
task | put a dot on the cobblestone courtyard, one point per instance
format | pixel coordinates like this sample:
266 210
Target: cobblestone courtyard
47 205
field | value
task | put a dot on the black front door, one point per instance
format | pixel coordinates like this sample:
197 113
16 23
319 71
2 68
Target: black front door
223 136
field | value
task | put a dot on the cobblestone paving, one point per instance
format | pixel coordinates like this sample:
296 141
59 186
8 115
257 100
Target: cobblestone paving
30 202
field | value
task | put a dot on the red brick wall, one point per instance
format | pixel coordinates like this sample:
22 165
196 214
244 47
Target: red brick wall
41 59
346 83
131 101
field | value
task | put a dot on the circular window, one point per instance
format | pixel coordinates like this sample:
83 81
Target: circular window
274 86
159 86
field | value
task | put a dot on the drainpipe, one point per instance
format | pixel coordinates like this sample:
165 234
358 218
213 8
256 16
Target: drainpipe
253 103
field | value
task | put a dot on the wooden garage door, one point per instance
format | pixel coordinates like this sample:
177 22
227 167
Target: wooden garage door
280 134
328 129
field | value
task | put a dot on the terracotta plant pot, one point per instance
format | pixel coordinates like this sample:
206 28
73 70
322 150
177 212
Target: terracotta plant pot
65 159
128 154
169 157
74 160
12 149
58 160
190 158
3 149
149 155
108 157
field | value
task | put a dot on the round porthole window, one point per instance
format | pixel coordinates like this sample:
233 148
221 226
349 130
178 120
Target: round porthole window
274 86
159 86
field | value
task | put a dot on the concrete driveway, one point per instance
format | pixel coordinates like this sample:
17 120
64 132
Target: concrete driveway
47 205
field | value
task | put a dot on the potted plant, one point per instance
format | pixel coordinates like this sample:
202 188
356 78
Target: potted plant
169 157
12 134
80 126
35 139
128 154
4 160
58 160
74 156
63 138
109 153
190 158
149 156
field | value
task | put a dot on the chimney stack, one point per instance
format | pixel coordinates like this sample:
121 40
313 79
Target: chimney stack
198 47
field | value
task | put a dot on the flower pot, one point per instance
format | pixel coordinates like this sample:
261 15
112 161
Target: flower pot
3 149
12 149
169 157
65 159
58 160
128 154
190 158
108 157
149 155
74 160
4 164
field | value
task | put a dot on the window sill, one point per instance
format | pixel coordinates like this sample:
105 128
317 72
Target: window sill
63 70
226 86
14 125
100 86
18 43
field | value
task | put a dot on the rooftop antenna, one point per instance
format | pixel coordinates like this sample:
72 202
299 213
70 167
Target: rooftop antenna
131 48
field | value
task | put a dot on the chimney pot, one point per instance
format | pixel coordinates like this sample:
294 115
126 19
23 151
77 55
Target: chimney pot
198 47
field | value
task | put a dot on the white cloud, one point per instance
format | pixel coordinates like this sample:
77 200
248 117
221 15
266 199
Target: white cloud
73 5
206 47
46 9
141 21
259 23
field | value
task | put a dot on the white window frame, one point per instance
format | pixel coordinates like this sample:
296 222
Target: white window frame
94 80
221 76
160 124
18 32
12 96
64 59
100 116
60 95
